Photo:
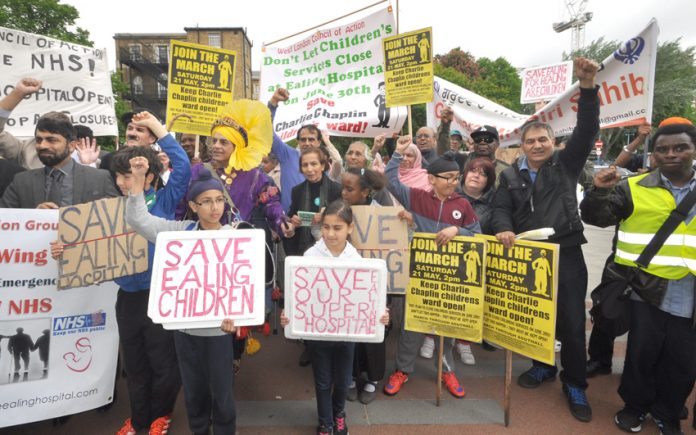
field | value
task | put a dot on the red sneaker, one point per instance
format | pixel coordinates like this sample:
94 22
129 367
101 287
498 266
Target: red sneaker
396 380
160 426
450 380
127 429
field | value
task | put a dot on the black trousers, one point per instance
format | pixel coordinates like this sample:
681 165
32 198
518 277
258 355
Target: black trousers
208 378
371 359
601 346
660 365
149 359
570 315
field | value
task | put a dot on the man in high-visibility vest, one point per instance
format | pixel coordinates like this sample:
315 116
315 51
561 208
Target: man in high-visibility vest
660 366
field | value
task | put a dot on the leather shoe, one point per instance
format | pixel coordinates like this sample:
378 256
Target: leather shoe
595 368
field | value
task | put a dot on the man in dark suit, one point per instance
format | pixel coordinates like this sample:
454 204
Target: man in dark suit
61 181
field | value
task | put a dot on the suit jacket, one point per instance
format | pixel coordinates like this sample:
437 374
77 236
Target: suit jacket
27 189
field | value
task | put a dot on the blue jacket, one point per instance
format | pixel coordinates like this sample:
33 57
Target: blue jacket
167 199
289 158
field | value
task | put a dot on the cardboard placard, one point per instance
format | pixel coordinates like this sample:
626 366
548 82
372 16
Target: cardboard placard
99 244
200 278
335 299
446 290
379 233
520 301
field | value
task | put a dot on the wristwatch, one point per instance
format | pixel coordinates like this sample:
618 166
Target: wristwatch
625 148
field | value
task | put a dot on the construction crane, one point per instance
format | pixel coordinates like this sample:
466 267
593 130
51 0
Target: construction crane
576 22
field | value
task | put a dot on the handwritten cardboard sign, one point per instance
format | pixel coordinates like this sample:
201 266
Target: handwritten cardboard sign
379 233
200 278
99 245
335 299
542 83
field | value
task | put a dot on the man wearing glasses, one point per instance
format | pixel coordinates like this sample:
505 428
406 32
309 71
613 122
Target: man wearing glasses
486 141
426 142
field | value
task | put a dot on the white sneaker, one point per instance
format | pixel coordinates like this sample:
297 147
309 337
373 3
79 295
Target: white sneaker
557 346
465 353
428 347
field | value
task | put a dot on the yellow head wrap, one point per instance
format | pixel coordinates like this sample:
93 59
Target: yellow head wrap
247 124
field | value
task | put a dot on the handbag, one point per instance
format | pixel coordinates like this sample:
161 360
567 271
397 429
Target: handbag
611 298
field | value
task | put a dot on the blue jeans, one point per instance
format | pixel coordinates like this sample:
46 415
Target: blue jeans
208 379
332 364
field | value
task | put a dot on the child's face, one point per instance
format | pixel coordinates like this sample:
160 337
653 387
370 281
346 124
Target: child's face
125 182
209 206
351 191
444 183
312 167
335 232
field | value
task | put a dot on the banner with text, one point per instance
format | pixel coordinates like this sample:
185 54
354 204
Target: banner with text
408 67
626 86
445 292
335 299
201 80
99 245
76 80
200 278
520 301
336 80
59 349
541 83
379 233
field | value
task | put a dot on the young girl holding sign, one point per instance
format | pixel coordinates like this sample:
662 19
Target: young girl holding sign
332 361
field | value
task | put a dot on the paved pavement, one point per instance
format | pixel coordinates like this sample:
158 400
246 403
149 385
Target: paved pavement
275 395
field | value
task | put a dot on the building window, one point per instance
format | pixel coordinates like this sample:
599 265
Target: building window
162 54
214 40
162 89
137 85
136 52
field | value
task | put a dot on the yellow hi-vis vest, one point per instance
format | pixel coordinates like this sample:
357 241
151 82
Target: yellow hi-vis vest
651 207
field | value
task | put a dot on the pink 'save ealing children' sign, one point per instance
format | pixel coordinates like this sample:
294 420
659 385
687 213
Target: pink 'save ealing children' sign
200 278
335 299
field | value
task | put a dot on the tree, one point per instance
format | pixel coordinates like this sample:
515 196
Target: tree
675 75
45 17
499 82
459 60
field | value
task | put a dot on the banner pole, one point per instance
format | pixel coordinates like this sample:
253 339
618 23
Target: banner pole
325 23
196 149
410 124
508 379
439 372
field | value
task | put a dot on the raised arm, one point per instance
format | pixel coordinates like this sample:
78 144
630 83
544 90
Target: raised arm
10 147
443 131
624 156
396 187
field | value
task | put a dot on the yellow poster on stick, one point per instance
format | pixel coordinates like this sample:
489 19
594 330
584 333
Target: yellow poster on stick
201 79
446 287
408 68
520 300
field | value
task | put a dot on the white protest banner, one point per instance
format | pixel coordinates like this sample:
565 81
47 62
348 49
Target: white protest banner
64 345
541 83
200 278
335 299
626 86
336 80
76 80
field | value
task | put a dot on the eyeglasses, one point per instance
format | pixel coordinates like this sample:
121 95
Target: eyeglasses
486 139
449 180
208 203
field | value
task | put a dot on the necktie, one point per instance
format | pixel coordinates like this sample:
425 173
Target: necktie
55 190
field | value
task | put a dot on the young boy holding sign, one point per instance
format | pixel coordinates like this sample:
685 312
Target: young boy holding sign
332 361
446 214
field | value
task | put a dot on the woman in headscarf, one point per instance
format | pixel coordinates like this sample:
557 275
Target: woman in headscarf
411 172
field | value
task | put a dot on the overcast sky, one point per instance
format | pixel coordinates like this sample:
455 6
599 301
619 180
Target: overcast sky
517 30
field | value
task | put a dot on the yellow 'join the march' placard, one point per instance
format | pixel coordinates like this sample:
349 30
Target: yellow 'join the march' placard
520 301
408 68
446 287
201 79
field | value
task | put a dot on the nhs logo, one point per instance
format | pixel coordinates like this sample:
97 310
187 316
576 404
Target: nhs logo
79 323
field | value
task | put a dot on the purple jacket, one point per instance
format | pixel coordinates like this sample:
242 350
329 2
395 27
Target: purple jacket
249 189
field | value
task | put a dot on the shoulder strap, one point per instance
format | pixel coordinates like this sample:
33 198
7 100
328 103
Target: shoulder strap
676 217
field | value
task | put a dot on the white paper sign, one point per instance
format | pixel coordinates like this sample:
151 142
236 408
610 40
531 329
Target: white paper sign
65 342
541 83
200 278
335 299
76 80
